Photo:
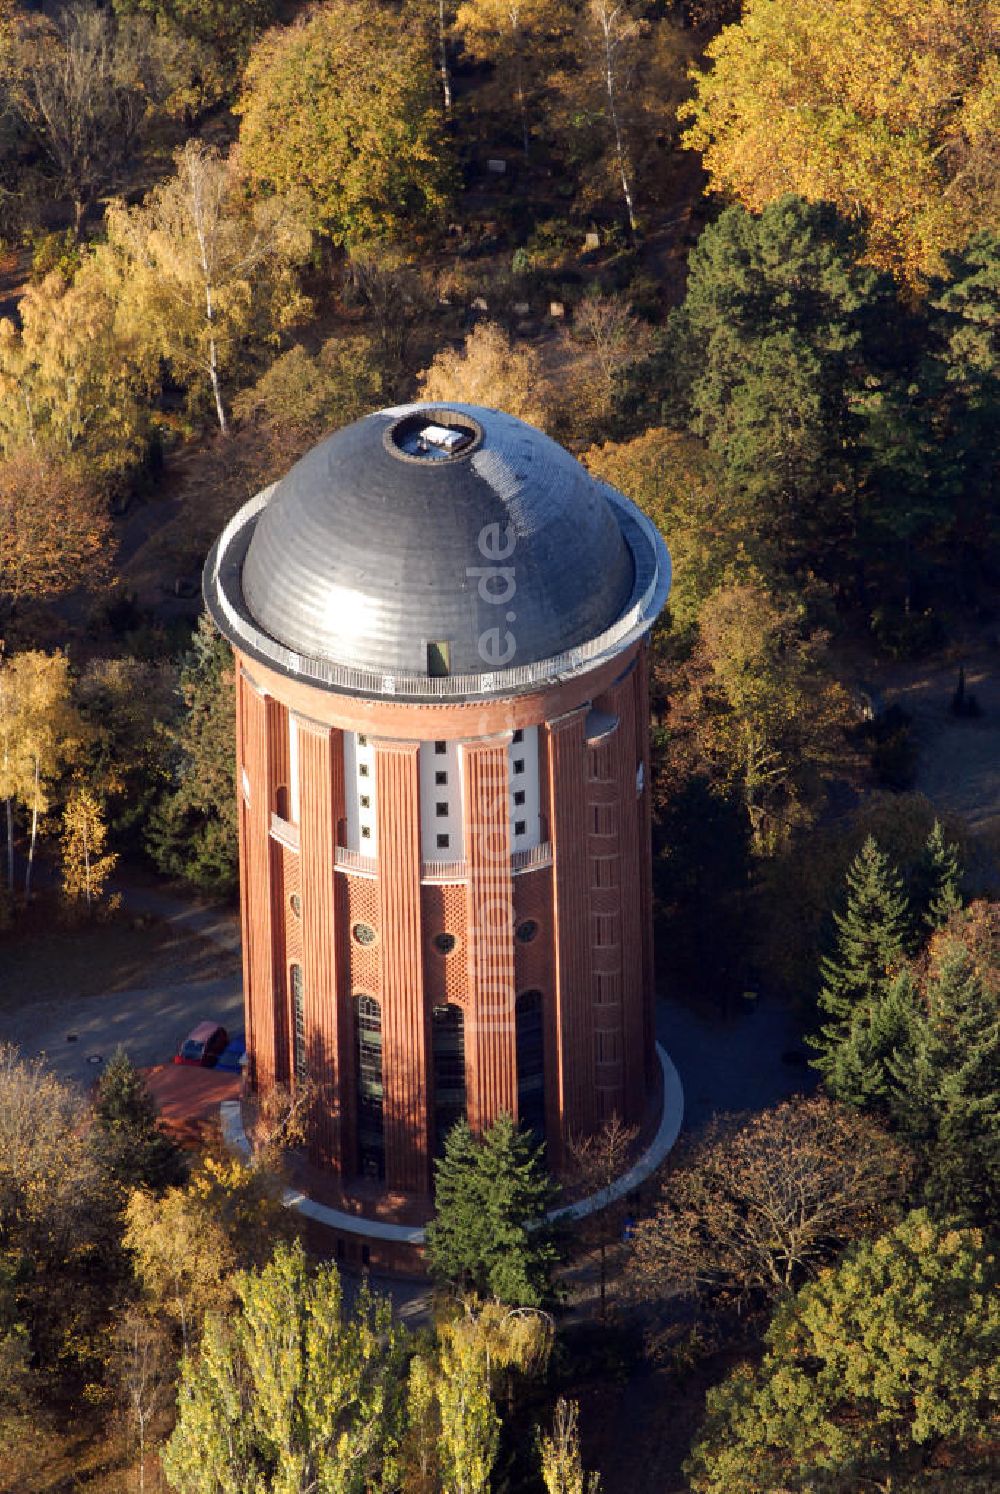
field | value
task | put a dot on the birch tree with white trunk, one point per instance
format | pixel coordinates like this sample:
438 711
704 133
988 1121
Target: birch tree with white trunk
39 733
614 105
511 34
203 274
618 31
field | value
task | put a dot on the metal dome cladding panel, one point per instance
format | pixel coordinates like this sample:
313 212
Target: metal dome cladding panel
424 530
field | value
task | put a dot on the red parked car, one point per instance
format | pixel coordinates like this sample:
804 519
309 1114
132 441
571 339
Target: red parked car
203 1045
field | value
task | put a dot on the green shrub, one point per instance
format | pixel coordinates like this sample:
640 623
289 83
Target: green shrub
891 747
907 635
55 251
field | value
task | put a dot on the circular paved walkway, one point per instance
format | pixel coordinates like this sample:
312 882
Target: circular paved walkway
408 1234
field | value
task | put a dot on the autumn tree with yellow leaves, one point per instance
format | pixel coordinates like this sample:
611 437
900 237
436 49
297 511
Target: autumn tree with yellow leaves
560 1455
73 385
55 531
86 862
292 1391
186 1242
340 114
201 273
470 1426
491 369
182 1257
40 731
678 483
757 706
614 104
889 111
512 34
480 1350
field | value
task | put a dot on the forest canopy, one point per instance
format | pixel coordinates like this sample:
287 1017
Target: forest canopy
890 111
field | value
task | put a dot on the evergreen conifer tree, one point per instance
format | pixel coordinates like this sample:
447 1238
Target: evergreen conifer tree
938 880
133 1148
944 1087
456 1238
489 1232
192 832
858 1069
872 934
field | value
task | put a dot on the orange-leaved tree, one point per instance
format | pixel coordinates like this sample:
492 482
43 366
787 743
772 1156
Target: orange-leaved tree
55 531
889 111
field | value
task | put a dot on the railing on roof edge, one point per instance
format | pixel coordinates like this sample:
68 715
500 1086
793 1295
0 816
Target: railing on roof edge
531 859
380 683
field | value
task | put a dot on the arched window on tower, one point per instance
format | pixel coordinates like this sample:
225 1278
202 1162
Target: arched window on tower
530 1040
448 1052
371 1127
300 1062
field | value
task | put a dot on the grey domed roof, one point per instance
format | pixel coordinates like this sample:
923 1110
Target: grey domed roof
432 553
377 544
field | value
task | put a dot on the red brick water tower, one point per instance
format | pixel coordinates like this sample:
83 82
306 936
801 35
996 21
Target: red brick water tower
440 625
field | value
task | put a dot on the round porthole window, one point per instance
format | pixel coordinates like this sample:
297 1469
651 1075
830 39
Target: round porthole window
444 943
526 930
363 933
295 903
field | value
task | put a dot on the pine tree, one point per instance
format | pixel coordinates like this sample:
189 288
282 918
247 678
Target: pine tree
773 363
135 1151
944 1087
192 832
488 1233
456 1238
857 1068
523 1254
938 880
858 979
872 938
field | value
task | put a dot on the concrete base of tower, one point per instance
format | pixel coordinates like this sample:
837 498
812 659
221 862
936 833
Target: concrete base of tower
372 1229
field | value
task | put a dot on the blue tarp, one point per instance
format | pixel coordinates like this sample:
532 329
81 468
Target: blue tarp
229 1058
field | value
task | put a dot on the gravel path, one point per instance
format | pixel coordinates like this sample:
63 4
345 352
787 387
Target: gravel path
735 1060
218 924
746 1058
76 1035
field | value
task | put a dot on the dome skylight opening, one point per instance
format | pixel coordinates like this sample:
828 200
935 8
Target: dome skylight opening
433 435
